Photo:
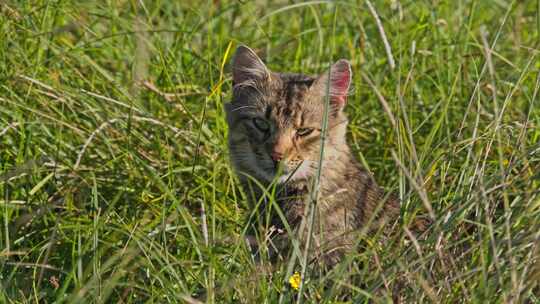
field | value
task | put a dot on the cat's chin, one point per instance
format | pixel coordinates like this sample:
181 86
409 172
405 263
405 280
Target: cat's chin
291 178
303 172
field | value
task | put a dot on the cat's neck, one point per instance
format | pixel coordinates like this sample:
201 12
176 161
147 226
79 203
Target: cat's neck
337 167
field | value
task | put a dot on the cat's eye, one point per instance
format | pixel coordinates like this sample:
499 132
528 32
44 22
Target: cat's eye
261 124
304 131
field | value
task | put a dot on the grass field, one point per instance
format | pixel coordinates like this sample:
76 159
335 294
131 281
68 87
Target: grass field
115 185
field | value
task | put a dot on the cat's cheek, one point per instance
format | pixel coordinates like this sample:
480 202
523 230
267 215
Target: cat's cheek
253 135
237 139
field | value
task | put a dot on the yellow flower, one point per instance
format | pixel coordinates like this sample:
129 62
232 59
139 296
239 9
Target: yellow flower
295 280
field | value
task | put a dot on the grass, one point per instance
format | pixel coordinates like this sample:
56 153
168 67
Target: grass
114 176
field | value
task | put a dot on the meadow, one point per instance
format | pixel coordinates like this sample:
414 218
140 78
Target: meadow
115 183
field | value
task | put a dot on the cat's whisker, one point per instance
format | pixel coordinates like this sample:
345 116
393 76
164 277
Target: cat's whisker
243 107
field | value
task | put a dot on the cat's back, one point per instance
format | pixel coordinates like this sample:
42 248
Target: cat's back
367 200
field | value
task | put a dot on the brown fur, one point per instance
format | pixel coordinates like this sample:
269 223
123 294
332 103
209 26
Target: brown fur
268 118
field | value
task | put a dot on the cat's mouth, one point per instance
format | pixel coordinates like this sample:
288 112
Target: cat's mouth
292 172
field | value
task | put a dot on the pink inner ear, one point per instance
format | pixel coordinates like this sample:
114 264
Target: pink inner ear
340 81
341 84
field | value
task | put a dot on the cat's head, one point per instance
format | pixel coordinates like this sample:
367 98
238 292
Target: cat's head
276 119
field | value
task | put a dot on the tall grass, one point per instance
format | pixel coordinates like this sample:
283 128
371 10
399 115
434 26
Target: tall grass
114 179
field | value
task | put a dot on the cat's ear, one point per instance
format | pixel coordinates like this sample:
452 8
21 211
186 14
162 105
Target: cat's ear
340 81
247 66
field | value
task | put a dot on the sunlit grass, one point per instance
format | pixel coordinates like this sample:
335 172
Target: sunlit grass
115 184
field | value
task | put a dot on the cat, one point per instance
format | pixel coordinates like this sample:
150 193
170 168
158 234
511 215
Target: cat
275 122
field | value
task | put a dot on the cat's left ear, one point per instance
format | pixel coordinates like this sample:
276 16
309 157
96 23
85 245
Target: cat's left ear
247 66
340 74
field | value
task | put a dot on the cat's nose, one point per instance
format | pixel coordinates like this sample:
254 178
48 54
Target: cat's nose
277 156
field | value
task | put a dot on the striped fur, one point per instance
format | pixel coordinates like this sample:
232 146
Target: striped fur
266 116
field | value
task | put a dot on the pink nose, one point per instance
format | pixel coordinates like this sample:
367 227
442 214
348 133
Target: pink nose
277 156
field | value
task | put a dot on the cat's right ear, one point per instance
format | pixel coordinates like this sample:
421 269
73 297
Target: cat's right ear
247 66
336 82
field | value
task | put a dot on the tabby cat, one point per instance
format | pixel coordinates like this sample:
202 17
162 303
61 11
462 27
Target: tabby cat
275 124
